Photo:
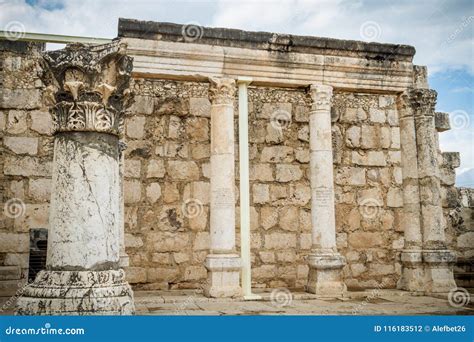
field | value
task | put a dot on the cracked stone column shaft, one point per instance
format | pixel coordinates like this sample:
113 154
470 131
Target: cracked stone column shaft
87 94
223 263
325 263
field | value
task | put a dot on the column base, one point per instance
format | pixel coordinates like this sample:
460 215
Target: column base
223 276
77 293
427 271
413 273
439 271
325 275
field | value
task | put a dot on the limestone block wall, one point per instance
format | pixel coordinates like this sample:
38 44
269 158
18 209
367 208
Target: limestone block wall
167 175
25 152
167 185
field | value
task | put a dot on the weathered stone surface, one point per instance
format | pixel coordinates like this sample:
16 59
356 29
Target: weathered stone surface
135 127
41 122
27 166
155 169
288 173
181 170
22 145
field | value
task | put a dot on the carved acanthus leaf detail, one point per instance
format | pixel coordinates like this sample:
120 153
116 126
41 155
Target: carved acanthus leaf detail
222 90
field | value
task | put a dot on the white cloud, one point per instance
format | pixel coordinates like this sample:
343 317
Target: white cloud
440 30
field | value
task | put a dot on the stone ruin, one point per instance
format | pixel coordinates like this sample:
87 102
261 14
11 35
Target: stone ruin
128 153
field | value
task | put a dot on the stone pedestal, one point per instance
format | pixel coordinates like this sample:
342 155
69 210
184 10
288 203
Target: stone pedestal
325 263
82 276
427 264
223 263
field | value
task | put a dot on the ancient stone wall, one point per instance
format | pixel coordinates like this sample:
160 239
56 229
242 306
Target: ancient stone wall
167 185
25 158
167 175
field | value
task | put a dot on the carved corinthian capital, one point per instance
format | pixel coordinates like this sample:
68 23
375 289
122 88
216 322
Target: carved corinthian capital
321 96
422 101
222 90
88 87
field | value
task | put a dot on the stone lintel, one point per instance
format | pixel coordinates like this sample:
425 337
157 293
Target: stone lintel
263 40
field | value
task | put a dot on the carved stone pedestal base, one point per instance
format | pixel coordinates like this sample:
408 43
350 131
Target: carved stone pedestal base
427 271
223 274
77 293
439 271
413 274
325 275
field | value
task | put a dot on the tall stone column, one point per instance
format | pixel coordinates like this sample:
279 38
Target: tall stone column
412 277
438 260
325 263
223 263
87 93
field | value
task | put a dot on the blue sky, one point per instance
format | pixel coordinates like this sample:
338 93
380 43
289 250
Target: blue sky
441 31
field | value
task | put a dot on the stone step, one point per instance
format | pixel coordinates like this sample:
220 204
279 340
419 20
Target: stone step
10 273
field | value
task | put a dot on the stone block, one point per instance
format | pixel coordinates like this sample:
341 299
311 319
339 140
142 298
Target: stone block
135 127
155 169
392 117
288 173
351 115
183 170
200 106
132 168
260 193
14 242
350 176
289 218
131 191
133 241
353 135
370 158
195 273
275 111
197 129
40 189
442 123
41 122
27 166
20 98
277 154
16 123
135 275
364 240
395 198
261 172
280 241
377 115
153 192
142 105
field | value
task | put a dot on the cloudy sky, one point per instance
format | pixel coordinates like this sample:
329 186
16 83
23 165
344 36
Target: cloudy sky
441 31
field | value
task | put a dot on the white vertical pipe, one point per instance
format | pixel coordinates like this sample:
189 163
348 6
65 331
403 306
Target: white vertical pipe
243 83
